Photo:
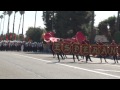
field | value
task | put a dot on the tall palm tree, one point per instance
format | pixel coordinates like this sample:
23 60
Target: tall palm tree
23 21
9 14
14 22
35 19
1 17
21 13
20 21
4 13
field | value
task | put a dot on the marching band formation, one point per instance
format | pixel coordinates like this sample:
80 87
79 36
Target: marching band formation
40 47
21 46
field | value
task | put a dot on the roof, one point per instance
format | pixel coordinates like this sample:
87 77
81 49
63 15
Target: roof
102 38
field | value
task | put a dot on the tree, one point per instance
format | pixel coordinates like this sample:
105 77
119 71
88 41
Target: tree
35 19
34 33
1 17
108 32
112 27
21 13
67 23
14 22
48 17
9 14
4 13
23 24
103 30
73 21
117 36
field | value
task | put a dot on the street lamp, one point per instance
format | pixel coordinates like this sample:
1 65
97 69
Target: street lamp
108 27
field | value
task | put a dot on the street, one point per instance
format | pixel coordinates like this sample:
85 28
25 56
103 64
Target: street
29 65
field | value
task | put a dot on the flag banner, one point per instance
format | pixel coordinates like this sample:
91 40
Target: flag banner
104 50
76 48
66 48
112 49
95 50
49 36
56 47
85 49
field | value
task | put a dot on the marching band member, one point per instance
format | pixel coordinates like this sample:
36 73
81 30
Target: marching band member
114 56
99 43
88 56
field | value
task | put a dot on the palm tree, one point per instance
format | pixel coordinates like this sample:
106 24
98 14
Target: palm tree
14 22
35 19
4 13
21 13
9 14
1 17
23 23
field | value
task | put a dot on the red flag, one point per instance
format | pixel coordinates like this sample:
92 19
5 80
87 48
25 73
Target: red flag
52 34
53 39
10 36
80 36
6 37
47 37
14 37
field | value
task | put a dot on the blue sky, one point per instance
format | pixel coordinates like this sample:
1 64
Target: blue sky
30 17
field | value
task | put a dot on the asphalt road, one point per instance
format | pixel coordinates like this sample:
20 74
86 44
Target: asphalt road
20 65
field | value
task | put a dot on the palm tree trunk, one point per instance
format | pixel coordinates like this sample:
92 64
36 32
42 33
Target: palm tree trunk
19 24
35 19
13 25
22 26
0 25
8 24
3 24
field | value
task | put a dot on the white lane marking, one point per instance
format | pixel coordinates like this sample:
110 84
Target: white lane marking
72 66
33 58
112 65
107 70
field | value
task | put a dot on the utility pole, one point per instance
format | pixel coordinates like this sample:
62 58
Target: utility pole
92 27
118 21
52 20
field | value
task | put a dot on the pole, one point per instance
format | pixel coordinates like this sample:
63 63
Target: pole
92 27
52 20
118 21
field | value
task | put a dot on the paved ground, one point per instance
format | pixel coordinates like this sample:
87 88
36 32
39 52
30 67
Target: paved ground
20 65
